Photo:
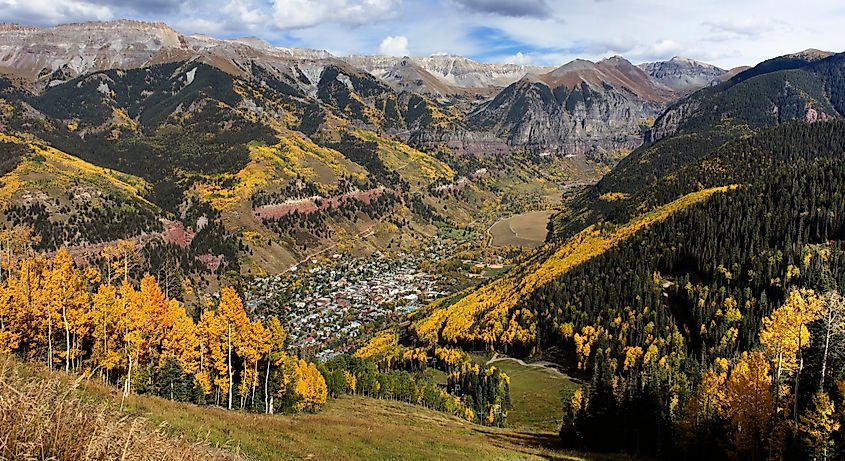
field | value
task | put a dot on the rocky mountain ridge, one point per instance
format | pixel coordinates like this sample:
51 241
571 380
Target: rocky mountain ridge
442 99
683 74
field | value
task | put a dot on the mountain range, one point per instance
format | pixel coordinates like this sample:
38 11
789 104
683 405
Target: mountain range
248 135
48 57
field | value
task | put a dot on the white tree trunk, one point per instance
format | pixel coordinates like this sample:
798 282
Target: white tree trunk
229 342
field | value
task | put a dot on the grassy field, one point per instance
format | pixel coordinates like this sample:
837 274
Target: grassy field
526 229
536 394
349 428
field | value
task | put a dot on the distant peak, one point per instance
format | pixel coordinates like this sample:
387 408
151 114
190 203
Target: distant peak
614 58
811 53
576 64
682 59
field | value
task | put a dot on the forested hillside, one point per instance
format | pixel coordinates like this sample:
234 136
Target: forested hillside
714 331
791 88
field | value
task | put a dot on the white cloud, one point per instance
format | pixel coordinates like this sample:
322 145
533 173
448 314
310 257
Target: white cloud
291 14
519 58
723 32
244 13
394 46
46 12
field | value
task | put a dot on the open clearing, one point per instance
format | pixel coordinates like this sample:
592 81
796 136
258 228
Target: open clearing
348 428
537 391
526 229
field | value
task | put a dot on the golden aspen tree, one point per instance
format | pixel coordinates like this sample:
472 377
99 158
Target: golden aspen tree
784 335
212 331
748 404
833 323
310 387
133 326
126 256
155 320
705 404
275 355
818 424
181 339
69 297
231 310
106 333
250 347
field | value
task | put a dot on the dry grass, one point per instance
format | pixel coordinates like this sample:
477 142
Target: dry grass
59 417
526 229
44 417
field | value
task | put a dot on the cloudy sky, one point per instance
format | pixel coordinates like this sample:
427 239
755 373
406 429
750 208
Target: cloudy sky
550 32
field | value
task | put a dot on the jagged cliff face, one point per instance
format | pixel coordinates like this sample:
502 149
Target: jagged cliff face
576 108
444 100
683 74
57 54
454 71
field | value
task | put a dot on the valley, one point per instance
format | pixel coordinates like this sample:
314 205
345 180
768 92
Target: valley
260 252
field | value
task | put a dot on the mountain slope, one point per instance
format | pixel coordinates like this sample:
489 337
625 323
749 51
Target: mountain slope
774 92
683 74
576 108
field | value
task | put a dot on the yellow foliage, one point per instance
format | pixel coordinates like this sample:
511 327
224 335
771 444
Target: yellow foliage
414 166
748 403
383 348
486 313
613 196
64 169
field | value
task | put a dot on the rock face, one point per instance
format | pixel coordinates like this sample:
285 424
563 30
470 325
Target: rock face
442 99
683 75
52 55
455 71
576 108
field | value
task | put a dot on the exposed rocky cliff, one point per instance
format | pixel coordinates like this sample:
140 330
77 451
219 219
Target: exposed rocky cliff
682 74
576 108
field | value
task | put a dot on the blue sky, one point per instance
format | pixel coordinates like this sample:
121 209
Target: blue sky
547 32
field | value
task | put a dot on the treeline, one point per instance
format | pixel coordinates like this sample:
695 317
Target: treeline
137 338
654 318
85 223
473 392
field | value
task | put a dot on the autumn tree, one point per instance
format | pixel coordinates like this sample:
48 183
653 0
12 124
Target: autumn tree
833 326
818 425
233 315
748 404
275 356
785 335
68 295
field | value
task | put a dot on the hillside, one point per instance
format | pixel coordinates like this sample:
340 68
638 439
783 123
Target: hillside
801 87
68 200
44 415
254 139
348 428
491 315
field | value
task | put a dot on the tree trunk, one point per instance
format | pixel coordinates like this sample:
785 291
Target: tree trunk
798 375
67 338
254 381
267 384
229 360
829 325
128 385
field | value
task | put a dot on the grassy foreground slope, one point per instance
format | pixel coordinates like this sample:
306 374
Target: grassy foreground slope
45 417
75 419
